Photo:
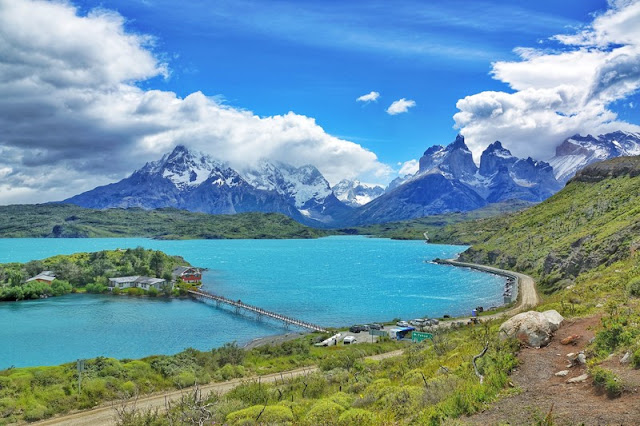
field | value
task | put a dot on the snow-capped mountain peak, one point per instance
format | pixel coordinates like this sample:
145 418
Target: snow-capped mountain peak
578 151
355 193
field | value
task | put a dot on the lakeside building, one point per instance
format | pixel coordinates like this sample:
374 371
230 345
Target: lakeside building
187 274
144 283
44 277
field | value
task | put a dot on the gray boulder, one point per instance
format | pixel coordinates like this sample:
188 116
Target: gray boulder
532 328
555 319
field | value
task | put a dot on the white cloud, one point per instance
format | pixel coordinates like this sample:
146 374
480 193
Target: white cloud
400 106
369 97
72 115
408 167
560 92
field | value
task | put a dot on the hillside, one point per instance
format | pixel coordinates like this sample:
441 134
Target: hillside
436 226
68 221
593 221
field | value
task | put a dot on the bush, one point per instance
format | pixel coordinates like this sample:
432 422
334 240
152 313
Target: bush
135 291
607 380
635 358
356 417
272 414
96 288
324 412
230 353
634 287
185 379
153 292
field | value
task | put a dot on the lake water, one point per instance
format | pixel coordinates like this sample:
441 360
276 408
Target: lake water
329 281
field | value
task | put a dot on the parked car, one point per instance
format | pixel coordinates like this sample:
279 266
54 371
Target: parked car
376 327
402 324
349 340
356 328
365 327
434 321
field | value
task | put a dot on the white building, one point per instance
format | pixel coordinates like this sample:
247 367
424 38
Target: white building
144 283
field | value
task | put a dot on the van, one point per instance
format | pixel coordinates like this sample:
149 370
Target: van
349 340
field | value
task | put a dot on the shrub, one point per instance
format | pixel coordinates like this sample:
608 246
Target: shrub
230 353
356 417
184 379
153 292
96 288
35 412
251 393
607 380
324 412
635 358
272 414
633 288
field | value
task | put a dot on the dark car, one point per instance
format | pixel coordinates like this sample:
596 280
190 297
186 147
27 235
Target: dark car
376 327
356 328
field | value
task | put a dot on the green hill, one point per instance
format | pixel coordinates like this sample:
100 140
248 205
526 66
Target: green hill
593 221
65 220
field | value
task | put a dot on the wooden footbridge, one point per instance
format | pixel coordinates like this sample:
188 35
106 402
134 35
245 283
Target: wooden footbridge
259 311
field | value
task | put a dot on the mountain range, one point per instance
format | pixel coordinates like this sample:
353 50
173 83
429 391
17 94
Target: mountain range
448 180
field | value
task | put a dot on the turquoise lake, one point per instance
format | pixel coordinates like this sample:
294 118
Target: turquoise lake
329 281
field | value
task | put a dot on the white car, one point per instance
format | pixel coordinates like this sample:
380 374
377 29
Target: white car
402 324
349 340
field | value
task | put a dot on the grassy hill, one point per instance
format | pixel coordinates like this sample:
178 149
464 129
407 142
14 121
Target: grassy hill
65 220
593 221
414 229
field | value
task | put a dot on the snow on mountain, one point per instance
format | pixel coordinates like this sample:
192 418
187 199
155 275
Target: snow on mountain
355 193
578 151
300 184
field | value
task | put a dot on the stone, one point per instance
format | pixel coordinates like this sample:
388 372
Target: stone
599 305
581 358
532 328
570 339
562 373
571 355
625 358
579 379
555 319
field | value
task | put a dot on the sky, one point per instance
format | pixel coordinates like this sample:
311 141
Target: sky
91 90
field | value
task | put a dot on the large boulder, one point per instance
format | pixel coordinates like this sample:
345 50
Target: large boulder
532 328
555 319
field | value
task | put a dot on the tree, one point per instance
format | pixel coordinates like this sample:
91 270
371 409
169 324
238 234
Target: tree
15 278
157 263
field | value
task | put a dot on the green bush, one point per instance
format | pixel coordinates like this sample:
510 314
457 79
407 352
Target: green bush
272 414
635 358
324 412
96 288
185 379
633 288
608 381
153 292
356 417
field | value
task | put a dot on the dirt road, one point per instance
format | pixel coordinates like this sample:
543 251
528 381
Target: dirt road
527 294
105 415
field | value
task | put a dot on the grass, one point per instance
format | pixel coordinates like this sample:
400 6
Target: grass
66 220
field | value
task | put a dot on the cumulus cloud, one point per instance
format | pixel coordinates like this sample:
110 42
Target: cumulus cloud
73 116
559 92
400 106
369 97
408 167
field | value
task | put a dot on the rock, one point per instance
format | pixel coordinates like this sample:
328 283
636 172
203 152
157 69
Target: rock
571 355
532 328
579 379
581 358
599 305
555 319
571 339
626 358
562 373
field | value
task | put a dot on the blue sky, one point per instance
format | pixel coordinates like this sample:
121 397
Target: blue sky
316 58
91 90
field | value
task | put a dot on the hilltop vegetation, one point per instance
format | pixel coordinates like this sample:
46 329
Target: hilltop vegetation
591 222
69 221
84 272
436 226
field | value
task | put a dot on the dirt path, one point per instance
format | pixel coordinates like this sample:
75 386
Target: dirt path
579 403
105 415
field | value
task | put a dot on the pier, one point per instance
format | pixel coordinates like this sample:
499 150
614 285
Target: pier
259 311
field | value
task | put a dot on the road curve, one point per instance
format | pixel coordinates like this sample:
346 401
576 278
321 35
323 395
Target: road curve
527 295
105 415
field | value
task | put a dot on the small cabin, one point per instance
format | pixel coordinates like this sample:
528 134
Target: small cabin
144 283
187 274
43 277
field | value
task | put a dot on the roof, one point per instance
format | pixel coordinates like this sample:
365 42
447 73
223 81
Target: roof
125 279
137 279
397 329
44 276
182 269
